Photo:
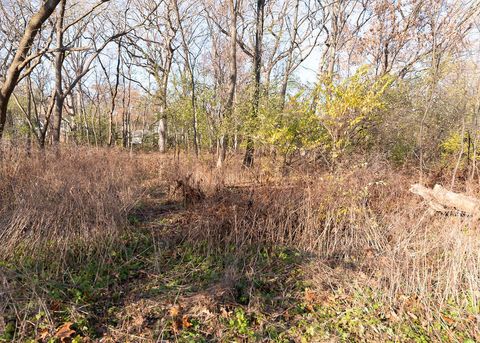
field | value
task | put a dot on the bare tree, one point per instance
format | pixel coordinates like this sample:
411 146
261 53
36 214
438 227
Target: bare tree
90 54
22 58
152 48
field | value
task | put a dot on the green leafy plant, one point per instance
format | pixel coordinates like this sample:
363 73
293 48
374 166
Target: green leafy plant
240 323
349 108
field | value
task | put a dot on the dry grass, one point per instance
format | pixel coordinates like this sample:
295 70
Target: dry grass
60 212
355 228
52 204
361 217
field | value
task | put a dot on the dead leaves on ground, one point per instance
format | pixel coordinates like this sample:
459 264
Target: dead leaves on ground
310 298
64 334
175 311
180 321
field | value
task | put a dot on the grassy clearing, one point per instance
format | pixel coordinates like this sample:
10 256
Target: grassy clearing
206 255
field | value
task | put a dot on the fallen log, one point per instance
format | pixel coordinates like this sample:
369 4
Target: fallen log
443 200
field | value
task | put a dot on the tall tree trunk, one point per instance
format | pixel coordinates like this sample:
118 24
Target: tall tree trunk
333 38
124 115
162 124
59 58
257 69
3 111
385 64
57 122
193 102
162 132
17 65
189 67
114 94
288 67
29 116
232 82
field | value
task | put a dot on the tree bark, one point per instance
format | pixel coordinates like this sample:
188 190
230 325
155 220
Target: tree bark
162 133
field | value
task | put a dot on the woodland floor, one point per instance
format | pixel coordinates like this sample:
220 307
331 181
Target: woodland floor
159 288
